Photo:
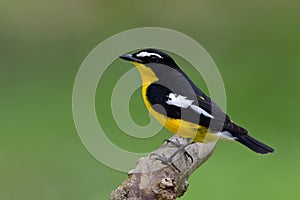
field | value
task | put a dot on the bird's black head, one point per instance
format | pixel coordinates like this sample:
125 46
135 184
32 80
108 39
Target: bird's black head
150 56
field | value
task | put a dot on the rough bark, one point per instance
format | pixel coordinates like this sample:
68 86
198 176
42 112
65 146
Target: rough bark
151 179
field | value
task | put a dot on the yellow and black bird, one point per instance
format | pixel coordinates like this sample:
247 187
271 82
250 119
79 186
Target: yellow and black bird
182 107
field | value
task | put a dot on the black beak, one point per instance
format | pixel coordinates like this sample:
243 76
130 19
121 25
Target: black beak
129 57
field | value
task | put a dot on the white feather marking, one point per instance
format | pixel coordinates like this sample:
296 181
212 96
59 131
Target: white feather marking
201 111
178 100
183 102
227 135
147 54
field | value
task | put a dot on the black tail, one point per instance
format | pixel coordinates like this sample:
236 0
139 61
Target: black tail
254 144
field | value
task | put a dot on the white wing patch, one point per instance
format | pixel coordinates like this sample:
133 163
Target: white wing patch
147 54
201 111
179 101
184 102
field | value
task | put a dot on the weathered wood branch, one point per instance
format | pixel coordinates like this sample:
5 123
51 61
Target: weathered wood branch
152 180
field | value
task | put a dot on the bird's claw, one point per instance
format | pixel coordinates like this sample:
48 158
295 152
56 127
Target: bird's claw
188 155
166 161
179 145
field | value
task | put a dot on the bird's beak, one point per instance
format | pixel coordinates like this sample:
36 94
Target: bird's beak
129 57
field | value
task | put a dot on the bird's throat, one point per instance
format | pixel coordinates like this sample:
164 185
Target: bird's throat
147 74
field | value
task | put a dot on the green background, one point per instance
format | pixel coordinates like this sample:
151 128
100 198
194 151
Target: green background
255 45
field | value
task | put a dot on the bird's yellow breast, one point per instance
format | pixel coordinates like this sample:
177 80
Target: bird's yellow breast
177 126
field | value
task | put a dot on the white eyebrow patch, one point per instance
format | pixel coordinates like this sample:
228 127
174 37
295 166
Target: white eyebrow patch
184 102
147 54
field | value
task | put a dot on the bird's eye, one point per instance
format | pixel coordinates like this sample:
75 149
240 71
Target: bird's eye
153 58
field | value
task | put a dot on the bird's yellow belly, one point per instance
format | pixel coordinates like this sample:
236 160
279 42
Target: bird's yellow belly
180 127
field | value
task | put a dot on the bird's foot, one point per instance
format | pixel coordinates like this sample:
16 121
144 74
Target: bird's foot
180 148
166 161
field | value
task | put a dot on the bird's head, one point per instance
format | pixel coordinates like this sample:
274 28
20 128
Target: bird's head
148 57
151 63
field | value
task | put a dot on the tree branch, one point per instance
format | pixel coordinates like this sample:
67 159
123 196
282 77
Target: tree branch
153 180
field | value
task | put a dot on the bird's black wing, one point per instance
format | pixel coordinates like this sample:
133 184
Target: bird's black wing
207 114
220 118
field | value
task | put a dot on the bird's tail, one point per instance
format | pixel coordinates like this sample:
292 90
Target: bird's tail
254 144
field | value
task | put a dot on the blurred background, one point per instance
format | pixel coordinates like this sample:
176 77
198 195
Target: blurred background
255 45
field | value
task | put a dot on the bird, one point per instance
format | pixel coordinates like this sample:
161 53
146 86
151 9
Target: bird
182 107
